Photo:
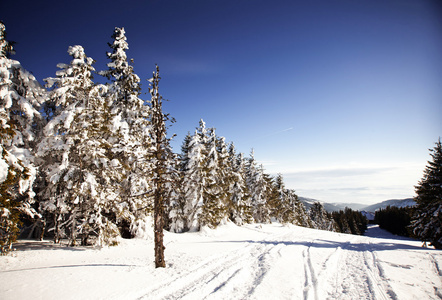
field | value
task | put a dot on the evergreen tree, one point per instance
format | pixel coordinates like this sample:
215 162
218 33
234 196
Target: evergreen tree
350 221
240 210
295 212
394 219
177 214
82 187
6 47
257 187
225 175
301 216
320 218
20 99
283 202
427 222
131 138
341 222
213 209
194 180
272 196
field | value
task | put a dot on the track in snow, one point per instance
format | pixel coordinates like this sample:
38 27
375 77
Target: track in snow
285 266
249 262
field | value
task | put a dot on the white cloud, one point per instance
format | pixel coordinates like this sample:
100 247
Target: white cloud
356 183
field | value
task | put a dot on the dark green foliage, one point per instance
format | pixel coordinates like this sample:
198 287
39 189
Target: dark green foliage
350 221
9 209
321 219
394 219
427 220
19 122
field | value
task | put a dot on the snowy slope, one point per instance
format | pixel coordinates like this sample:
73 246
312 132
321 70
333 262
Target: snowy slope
249 262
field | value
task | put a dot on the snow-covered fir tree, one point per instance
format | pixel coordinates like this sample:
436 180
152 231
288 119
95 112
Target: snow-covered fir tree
301 215
20 99
320 218
342 222
427 222
194 178
280 206
213 209
257 187
225 174
241 200
131 140
295 212
177 216
82 187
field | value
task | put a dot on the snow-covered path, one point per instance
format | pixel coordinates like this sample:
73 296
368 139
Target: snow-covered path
249 262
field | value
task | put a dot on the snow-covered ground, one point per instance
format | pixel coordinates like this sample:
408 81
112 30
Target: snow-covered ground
248 262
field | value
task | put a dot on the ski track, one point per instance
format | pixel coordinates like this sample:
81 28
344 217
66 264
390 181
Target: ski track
265 264
238 271
201 279
349 271
354 272
311 282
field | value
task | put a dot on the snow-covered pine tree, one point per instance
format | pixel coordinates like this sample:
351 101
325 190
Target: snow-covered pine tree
280 209
20 99
233 186
225 174
82 187
320 218
162 166
240 210
6 47
341 222
301 216
194 178
271 196
257 187
213 209
177 216
131 141
427 222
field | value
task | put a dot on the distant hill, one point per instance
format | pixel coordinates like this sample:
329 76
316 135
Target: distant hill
330 207
394 202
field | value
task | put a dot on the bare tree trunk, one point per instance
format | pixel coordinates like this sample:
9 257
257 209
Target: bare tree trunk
158 134
56 229
158 227
43 228
74 228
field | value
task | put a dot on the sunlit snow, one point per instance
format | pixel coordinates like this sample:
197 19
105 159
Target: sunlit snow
249 262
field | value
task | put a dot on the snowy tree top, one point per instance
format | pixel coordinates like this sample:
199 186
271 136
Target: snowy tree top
5 46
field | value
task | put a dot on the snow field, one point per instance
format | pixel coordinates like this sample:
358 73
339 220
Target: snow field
249 262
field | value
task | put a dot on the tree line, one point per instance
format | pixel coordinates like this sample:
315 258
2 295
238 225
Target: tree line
394 219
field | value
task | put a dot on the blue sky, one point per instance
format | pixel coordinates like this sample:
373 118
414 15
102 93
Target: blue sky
341 97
